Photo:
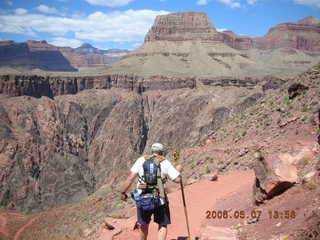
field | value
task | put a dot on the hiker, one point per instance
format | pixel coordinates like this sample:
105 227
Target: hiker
150 196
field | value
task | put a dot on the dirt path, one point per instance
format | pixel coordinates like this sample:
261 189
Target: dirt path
3 225
20 231
4 216
201 197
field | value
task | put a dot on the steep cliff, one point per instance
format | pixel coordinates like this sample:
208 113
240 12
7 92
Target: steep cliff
302 35
37 86
182 26
237 41
184 44
44 56
33 55
89 56
82 128
187 44
57 151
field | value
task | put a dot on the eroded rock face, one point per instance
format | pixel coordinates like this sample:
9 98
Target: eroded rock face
187 44
182 26
89 56
37 86
237 41
41 55
43 156
32 55
302 35
57 151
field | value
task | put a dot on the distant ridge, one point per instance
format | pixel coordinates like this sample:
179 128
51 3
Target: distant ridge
187 44
44 56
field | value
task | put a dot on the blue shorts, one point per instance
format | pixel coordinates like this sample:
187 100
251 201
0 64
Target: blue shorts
161 215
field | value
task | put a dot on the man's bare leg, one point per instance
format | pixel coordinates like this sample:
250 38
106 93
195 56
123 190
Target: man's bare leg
144 231
162 232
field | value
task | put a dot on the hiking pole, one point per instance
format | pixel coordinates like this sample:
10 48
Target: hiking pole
176 156
185 208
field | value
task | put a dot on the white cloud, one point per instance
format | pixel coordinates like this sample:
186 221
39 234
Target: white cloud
20 11
315 3
202 2
46 9
251 1
65 42
222 29
110 3
231 3
119 26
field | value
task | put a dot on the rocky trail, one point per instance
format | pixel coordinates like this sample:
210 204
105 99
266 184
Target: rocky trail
225 101
24 227
3 224
202 196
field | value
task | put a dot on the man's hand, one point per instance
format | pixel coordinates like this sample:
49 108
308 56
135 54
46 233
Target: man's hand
123 196
179 168
126 185
177 179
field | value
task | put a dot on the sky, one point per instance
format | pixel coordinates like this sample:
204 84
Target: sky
123 24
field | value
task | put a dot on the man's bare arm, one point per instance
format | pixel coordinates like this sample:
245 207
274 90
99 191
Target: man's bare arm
130 179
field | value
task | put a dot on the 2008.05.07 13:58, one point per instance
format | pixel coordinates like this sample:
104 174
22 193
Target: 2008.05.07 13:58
241 214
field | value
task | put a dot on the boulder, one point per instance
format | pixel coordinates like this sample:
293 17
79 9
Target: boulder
309 176
210 177
274 175
296 89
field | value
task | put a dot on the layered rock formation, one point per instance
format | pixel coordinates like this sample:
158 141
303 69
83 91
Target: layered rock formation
44 56
87 49
184 44
187 43
302 35
89 56
33 55
57 151
37 86
237 41
183 26
90 126
51 86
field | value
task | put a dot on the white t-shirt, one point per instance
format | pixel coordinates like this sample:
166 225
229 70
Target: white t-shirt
167 169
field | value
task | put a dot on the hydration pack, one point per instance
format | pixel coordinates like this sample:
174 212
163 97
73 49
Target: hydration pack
151 172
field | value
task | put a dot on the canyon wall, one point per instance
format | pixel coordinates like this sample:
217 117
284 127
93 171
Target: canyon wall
79 134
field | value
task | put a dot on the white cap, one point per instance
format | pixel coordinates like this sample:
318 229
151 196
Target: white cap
157 147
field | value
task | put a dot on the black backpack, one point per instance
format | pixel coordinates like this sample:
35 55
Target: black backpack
151 172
